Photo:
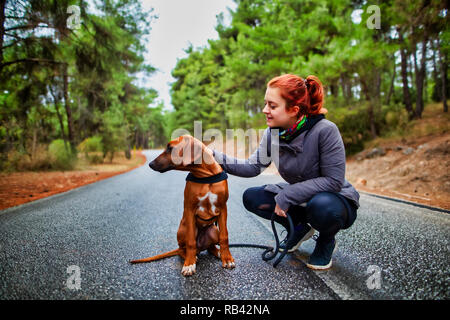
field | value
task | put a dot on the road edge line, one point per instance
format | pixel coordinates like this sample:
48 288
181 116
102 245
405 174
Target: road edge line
56 195
406 202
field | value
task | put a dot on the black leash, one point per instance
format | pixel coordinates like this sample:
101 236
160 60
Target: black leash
265 255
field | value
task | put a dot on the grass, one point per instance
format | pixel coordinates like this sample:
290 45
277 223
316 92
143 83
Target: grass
42 161
120 162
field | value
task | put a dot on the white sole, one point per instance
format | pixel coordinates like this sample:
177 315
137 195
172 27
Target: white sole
305 238
328 266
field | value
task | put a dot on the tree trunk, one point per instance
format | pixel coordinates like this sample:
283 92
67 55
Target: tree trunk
68 109
334 90
370 109
346 88
128 150
391 88
377 93
444 65
404 72
2 27
373 129
420 77
33 146
58 114
145 140
435 49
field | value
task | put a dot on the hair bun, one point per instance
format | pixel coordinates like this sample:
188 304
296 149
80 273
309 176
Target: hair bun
315 91
306 93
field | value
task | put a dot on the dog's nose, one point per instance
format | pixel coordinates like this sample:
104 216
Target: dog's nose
152 164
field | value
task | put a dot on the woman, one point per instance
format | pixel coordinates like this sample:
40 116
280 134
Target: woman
312 161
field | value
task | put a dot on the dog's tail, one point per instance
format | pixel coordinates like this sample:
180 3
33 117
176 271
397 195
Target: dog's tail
159 256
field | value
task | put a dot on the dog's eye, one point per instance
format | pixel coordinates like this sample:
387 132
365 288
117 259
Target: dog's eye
169 148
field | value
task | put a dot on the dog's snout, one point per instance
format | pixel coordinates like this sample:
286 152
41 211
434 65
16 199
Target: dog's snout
160 165
154 165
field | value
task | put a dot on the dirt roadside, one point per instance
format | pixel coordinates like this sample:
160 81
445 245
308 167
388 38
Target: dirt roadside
22 187
416 170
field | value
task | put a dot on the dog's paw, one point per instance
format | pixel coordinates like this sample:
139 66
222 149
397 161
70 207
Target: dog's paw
228 264
188 270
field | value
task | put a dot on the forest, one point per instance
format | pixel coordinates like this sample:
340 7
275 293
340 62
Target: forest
68 78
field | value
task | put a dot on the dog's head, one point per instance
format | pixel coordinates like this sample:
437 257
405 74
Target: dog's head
180 154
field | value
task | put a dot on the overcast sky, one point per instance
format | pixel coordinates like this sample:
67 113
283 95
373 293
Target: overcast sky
180 22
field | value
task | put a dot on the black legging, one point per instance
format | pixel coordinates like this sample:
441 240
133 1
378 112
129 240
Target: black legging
325 211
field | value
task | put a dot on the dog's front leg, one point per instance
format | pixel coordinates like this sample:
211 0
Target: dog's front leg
225 254
191 243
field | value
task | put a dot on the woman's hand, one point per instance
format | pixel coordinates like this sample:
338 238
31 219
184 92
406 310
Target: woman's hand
209 151
279 211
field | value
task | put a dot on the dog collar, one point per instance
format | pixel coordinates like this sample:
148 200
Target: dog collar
212 179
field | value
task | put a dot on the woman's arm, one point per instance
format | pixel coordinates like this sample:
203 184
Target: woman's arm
332 168
251 167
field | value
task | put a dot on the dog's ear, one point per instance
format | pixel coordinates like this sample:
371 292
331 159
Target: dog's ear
198 151
192 150
178 146
186 151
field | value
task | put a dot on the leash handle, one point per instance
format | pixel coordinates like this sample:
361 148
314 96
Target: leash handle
271 256
265 255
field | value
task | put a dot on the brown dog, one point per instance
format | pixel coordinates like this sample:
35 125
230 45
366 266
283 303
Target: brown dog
204 204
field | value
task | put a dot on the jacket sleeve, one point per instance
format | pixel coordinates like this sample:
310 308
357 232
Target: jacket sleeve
332 168
251 167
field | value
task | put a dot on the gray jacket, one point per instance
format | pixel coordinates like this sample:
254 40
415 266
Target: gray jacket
311 163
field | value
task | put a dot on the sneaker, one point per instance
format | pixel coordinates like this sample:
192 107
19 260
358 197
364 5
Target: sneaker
302 232
321 256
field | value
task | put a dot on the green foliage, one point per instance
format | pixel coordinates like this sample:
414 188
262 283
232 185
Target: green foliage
92 144
75 84
396 119
61 156
223 84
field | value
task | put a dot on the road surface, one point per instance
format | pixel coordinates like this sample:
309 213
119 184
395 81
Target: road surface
76 245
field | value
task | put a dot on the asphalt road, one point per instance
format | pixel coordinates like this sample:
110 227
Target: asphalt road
393 250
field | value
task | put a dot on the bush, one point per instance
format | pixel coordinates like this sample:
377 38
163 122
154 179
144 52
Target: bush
61 156
92 144
128 154
352 122
392 119
95 159
21 161
396 120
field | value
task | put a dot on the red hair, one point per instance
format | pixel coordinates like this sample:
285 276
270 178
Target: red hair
307 93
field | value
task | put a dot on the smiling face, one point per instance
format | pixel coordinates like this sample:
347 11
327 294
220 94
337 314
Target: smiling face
275 110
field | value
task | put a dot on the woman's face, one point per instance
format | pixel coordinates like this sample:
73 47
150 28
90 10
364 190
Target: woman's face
275 110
